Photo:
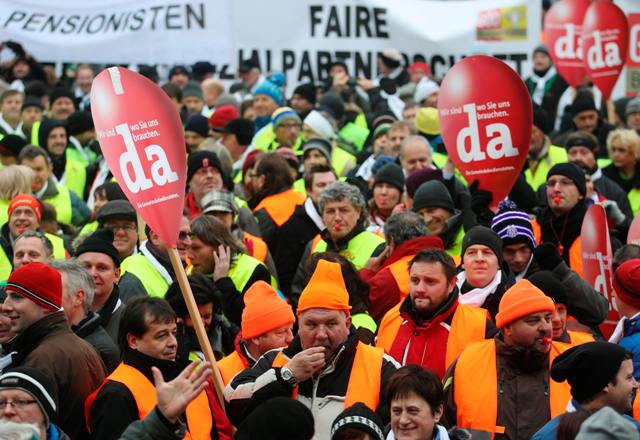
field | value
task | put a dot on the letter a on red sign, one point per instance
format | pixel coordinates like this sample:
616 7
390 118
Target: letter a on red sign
605 41
141 138
486 118
597 258
563 30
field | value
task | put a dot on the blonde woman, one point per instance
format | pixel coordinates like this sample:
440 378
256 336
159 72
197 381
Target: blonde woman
14 180
624 150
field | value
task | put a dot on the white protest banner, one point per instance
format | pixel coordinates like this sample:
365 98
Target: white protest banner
119 31
301 37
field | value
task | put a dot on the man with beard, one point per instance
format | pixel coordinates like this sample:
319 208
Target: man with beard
148 342
501 386
325 367
600 374
149 272
430 327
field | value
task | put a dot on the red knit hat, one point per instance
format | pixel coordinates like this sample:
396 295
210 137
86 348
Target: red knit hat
626 282
264 311
39 282
25 200
522 299
222 115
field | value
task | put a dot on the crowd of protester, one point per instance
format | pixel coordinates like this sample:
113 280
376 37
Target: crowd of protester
352 284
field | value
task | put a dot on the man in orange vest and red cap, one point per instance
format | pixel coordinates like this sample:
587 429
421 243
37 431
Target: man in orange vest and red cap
267 323
502 387
430 327
147 340
325 367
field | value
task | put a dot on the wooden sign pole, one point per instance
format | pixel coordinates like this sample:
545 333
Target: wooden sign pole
203 339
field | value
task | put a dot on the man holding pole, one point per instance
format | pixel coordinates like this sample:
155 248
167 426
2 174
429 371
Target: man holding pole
148 338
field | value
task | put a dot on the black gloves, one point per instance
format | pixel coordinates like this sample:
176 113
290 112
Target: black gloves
547 256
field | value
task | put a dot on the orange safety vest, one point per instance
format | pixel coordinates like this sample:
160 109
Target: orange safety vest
476 388
364 380
199 418
281 206
468 325
259 247
230 366
400 272
575 251
578 338
636 407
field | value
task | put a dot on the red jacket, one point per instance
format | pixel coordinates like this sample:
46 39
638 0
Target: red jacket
384 289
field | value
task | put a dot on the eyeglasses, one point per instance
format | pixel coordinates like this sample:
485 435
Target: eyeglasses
182 235
16 403
290 125
123 227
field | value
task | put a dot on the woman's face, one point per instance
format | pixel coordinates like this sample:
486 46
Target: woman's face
412 418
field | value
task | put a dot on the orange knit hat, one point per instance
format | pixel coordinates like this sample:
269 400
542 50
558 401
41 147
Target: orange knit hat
25 200
325 289
264 311
522 299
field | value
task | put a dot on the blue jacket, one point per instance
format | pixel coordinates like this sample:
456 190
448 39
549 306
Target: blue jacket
631 342
549 431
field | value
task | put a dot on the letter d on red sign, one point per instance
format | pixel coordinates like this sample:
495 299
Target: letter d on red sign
486 118
141 137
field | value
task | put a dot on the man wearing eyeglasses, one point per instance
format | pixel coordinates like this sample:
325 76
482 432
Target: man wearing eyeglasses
28 395
149 272
120 216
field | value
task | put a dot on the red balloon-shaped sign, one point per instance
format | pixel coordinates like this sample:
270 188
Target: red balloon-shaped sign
605 41
141 137
486 118
633 237
597 259
563 29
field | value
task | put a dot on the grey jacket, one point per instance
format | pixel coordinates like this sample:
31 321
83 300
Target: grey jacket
152 428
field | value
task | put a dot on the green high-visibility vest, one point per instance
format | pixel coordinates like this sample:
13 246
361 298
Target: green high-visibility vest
556 155
359 249
153 282
241 270
62 203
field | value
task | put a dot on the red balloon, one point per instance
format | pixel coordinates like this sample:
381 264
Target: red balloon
563 29
141 137
633 237
597 259
486 118
605 41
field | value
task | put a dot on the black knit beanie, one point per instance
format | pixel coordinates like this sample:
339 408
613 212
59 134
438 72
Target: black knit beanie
485 236
306 91
392 174
100 241
432 194
550 285
588 367
571 171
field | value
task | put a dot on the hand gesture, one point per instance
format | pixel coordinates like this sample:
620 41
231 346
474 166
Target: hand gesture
374 263
222 260
306 363
174 396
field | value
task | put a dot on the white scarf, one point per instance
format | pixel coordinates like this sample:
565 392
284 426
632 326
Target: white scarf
477 296
313 214
618 332
9 129
541 82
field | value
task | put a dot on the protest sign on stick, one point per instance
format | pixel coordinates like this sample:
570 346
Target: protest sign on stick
486 119
597 259
141 137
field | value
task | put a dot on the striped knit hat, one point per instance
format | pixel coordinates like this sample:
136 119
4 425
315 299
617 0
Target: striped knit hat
39 282
513 227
